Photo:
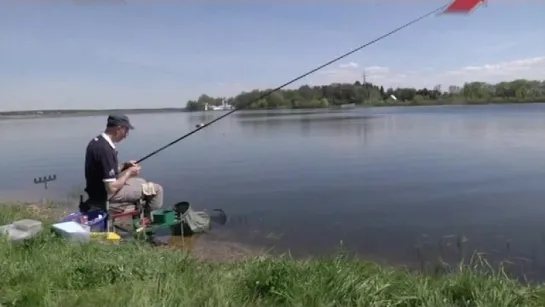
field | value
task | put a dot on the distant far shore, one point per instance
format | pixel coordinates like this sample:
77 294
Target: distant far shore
80 112
30 114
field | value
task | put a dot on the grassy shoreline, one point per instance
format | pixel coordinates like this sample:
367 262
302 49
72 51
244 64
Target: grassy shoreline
48 271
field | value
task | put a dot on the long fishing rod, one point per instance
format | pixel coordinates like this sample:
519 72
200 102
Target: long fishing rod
267 93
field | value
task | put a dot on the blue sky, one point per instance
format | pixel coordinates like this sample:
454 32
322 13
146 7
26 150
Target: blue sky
162 53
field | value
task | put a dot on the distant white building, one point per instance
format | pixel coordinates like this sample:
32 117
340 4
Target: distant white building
224 106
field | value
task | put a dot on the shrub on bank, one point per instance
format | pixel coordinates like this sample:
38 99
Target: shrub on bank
48 271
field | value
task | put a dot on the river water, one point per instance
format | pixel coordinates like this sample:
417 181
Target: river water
382 181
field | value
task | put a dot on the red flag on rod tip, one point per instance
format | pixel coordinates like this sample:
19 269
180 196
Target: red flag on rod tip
463 6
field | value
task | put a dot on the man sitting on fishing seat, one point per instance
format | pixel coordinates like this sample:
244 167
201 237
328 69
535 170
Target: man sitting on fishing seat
109 181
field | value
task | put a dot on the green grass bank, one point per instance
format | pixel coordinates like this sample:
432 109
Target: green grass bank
48 271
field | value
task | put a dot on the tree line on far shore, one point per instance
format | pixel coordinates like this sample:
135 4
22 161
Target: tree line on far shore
357 93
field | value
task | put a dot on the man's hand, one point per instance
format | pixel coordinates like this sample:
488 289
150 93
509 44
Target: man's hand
134 170
127 165
131 170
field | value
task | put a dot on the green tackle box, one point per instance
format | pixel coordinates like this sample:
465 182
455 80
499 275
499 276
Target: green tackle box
164 217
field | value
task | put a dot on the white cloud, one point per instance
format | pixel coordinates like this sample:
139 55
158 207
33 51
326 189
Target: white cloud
528 68
376 70
351 73
349 65
504 68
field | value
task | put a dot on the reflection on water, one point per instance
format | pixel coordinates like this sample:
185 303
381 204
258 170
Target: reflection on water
324 125
384 181
283 113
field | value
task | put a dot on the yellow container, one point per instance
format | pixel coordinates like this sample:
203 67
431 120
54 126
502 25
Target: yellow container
110 237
